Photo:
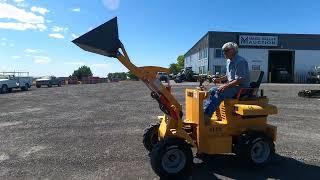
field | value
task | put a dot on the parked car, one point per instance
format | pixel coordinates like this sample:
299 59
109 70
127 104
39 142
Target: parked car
48 81
163 76
14 80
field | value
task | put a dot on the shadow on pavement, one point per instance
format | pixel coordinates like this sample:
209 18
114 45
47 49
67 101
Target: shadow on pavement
227 166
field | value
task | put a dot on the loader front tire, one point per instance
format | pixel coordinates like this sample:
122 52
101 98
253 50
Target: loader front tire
150 136
172 158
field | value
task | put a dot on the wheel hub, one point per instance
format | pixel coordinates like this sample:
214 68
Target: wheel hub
173 160
260 152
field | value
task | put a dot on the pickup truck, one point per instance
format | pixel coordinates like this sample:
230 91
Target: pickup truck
48 81
10 81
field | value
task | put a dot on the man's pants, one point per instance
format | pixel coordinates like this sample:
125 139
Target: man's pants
215 99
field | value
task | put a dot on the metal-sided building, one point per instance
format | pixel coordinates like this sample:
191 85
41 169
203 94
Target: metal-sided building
294 54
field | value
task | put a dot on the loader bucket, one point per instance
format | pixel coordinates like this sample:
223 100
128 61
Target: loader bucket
103 40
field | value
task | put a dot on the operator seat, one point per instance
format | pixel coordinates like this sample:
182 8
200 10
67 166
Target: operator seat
259 80
254 86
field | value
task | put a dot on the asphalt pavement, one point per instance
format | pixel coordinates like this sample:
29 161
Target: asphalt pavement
94 131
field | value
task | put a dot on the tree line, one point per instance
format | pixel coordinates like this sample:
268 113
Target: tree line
85 71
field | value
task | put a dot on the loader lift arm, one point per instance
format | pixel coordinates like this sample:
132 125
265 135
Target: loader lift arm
167 103
104 40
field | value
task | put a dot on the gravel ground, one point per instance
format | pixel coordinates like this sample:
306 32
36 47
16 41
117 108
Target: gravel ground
95 132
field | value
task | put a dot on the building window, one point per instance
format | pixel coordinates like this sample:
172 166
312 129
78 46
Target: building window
205 52
202 70
218 53
255 67
220 69
217 69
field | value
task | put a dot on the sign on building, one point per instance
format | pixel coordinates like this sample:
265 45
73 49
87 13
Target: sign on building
251 40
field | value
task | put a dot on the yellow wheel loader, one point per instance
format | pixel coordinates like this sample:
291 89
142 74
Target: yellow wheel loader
239 126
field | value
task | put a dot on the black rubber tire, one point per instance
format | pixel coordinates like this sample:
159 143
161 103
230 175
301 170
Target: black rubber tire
4 89
9 90
25 87
245 145
171 144
150 136
59 85
38 86
49 85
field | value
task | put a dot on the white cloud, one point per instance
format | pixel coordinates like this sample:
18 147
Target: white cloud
21 3
41 60
33 50
75 63
40 10
59 29
111 4
56 36
3 39
3 44
23 20
15 57
22 26
4 68
11 12
74 36
103 65
11 45
76 9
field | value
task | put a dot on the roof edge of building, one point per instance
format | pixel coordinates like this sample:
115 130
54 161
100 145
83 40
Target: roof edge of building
269 33
207 33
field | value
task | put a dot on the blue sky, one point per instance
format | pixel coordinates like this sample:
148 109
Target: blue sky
36 35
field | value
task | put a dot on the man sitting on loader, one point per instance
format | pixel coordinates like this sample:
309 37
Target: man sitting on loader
237 77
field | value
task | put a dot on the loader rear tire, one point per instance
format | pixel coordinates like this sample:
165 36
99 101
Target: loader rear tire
172 158
255 149
150 136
